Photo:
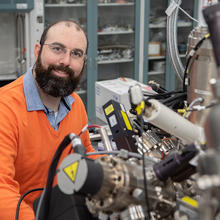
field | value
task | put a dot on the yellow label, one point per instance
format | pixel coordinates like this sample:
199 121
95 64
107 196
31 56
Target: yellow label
207 35
190 201
140 108
71 170
127 122
109 109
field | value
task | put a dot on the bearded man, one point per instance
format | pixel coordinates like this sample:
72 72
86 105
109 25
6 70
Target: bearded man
37 111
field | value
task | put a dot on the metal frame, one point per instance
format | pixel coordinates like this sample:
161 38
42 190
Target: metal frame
92 66
137 54
146 41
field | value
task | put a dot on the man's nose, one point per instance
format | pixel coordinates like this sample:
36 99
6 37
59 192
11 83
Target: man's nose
65 59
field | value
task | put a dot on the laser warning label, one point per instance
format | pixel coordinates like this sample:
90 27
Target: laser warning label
71 170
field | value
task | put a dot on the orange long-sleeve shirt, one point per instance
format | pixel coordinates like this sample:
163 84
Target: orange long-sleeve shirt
27 145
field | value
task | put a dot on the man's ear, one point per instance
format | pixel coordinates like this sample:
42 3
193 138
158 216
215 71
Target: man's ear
36 50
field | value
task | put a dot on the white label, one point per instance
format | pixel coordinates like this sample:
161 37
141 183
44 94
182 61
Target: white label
112 121
154 49
202 92
21 6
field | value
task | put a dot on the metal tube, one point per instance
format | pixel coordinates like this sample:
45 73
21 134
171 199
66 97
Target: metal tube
168 120
105 139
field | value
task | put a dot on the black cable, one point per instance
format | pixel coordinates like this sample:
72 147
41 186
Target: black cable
197 46
76 211
169 98
156 87
137 125
21 199
147 103
185 73
162 95
172 98
44 204
175 102
141 122
145 188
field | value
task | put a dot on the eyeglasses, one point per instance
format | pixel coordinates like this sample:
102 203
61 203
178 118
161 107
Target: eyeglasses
76 54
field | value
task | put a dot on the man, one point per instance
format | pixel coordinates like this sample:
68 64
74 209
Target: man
36 112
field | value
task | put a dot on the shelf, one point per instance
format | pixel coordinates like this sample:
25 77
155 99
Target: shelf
116 4
115 32
115 61
150 73
184 24
163 57
64 5
163 25
156 58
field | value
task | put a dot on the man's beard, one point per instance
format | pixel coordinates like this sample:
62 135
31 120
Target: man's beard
54 85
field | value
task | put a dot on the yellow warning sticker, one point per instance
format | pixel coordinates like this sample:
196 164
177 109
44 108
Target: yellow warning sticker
109 109
127 122
190 201
71 170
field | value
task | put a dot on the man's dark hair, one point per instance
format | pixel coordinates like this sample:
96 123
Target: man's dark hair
77 26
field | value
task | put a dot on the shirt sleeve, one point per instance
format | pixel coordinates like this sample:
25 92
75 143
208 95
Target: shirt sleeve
9 187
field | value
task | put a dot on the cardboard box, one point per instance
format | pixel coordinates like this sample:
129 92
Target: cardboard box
154 48
116 89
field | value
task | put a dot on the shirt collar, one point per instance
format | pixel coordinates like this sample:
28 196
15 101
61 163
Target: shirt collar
32 96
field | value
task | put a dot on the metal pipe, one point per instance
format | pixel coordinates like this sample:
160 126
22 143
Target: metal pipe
105 139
